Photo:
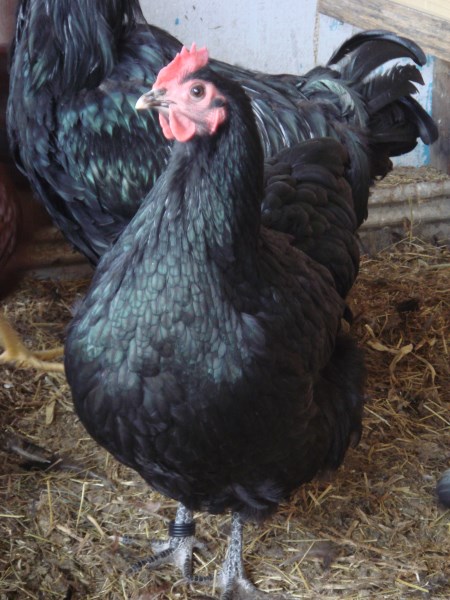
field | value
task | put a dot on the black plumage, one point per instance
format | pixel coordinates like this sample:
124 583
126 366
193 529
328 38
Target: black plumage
317 211
443 488
78 68
207 354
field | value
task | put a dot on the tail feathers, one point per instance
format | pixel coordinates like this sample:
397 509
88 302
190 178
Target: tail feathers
395 130
428 130
368 50
394 121
325 86
390 86
392 90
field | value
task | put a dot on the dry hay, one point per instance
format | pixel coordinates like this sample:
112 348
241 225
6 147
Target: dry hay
372 531
404 175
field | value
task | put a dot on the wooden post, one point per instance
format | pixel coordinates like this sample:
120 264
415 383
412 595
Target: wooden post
440 150
431 32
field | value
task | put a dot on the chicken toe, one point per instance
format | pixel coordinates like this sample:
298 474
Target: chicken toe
17 354
178 549
233 581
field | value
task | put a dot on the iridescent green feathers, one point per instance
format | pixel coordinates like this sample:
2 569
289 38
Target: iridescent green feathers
77 69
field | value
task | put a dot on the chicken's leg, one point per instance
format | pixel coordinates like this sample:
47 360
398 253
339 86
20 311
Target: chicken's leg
178 549
16 353
232 579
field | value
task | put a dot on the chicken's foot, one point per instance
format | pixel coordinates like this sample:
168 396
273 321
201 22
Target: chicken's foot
15 352
232 578
178 549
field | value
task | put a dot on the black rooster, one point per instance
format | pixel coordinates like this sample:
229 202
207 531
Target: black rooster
207 354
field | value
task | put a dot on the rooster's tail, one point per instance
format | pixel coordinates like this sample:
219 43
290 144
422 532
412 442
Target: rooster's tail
395 119
377 103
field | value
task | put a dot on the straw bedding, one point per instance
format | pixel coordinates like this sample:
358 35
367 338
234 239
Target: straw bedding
372 530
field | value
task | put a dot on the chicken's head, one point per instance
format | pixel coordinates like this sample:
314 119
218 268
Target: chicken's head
188 104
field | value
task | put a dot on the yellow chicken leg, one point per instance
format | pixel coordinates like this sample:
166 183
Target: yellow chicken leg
16 353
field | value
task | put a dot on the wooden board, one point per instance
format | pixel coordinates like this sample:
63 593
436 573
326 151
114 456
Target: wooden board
440 150
429 31
438 8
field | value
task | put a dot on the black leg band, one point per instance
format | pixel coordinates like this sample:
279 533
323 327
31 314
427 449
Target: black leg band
179 530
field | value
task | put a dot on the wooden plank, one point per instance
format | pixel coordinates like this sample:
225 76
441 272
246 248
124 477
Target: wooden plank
438 8
440 150
429 31
408 201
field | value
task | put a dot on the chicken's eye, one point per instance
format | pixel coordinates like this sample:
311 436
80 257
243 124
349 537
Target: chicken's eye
197 91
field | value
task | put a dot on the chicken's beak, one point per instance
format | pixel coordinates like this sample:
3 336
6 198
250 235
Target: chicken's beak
152 99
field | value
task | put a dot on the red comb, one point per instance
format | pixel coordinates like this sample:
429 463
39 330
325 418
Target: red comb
185 62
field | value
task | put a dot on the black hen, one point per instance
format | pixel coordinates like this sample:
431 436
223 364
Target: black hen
78 68
207 354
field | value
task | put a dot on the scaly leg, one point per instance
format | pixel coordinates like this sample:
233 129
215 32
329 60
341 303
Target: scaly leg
16 353
233 580
178 549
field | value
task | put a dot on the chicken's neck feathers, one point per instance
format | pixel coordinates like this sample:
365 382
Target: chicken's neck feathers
178 260
208 201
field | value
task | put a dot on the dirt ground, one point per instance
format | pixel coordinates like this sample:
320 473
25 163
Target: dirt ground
372 530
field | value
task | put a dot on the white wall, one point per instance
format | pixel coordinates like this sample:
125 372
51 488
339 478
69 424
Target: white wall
279 36
268 35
